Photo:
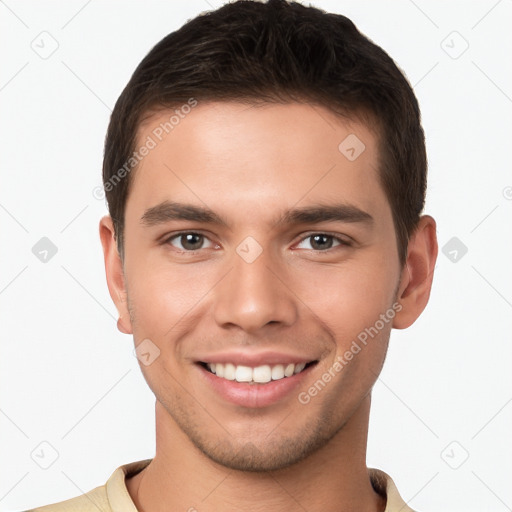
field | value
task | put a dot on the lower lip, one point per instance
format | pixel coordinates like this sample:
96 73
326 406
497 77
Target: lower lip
253 395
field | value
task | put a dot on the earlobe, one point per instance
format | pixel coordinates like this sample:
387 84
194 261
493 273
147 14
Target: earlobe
114 273
417 274
122 328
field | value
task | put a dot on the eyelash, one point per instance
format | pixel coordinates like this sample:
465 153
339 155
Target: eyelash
342 242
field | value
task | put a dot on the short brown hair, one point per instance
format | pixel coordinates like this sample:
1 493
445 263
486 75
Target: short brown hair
277 51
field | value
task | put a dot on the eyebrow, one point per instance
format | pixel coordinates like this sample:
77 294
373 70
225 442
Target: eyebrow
341 212
167 211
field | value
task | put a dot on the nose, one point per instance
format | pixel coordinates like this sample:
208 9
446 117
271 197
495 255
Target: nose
254 294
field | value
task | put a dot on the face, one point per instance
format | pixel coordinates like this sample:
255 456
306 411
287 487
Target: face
255 242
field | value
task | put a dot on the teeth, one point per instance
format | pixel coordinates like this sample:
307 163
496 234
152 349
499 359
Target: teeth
277 372
261 374
229 371
243 374
288 371
299 367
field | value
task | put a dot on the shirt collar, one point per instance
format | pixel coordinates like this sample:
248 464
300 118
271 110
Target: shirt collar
120 500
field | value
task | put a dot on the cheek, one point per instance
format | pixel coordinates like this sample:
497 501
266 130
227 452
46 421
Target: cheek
167 299
350 299
350 307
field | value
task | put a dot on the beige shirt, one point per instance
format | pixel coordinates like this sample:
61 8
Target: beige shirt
114 497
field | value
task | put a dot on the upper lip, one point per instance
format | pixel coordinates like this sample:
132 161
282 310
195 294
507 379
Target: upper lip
254 359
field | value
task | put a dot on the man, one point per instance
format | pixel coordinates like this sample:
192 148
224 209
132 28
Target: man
265 173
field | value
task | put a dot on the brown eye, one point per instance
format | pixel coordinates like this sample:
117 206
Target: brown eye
187 241
322 242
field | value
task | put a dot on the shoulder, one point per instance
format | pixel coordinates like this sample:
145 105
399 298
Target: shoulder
384 485
93 501
111 497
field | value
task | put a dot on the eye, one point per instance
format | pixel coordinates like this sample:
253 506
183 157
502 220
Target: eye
188 241
323 242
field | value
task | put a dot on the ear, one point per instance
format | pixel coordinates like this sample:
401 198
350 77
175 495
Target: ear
417 273
115 274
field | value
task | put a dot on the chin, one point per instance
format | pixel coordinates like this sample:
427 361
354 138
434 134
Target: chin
274 456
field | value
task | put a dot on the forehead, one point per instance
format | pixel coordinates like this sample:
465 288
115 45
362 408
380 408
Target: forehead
230 152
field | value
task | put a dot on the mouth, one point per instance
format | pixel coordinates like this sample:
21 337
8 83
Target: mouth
262 374
254 379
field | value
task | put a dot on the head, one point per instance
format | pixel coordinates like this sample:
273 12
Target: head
265 173
276 52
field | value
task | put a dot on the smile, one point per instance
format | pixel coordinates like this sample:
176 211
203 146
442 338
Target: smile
259 374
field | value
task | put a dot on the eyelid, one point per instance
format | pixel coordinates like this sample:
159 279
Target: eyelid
347 242
168 238
344 241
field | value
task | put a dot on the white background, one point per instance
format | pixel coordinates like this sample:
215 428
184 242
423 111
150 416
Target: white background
69 378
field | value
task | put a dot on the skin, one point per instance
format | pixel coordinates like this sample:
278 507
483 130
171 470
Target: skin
249 164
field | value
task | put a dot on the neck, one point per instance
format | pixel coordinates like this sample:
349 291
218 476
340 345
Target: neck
180 477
